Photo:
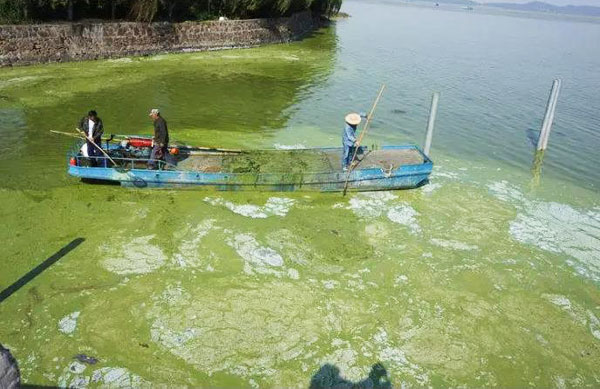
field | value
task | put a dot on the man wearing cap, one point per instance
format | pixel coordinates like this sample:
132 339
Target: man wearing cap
160 140
93 128
349 138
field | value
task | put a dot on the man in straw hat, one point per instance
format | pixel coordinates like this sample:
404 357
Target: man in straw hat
349 138
160 140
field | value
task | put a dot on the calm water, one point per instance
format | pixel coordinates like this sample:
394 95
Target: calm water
486 276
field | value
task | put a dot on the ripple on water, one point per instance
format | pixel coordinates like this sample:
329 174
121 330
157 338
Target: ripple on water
191 237
345 358
560 228
453 244
439 172
297 146
74 376
400 279
394 357
257 259
17 80
275 206
578 314
293 247
377 204
371 204
203 327
429 188
120 60
404 214
137 256
555 227
68 324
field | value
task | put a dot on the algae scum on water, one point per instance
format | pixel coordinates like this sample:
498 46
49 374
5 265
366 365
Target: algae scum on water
476 279
261 290
271 161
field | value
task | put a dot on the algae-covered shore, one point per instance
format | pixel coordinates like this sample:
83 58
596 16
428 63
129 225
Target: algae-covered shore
481 278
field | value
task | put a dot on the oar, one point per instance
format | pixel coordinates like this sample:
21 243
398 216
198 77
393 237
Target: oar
68 134
360 138
99 148
191 148
216 149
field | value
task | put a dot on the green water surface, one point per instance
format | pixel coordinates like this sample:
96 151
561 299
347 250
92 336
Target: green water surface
484 277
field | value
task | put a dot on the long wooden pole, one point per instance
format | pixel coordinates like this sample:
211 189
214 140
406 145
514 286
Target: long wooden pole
191 148
362 135
68 134
366 126
99 148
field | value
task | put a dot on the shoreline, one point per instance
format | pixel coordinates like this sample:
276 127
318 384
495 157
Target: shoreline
33 44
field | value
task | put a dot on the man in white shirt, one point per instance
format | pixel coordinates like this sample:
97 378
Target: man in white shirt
92 126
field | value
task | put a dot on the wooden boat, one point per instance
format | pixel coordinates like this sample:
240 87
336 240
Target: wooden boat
312 169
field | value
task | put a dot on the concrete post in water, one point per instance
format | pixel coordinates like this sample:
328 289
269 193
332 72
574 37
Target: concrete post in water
431 122
549 117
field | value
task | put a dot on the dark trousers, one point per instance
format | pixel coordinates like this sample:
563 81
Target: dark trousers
94 155
348 154
158 154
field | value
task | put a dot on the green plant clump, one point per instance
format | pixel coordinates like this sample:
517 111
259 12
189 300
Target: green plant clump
271 161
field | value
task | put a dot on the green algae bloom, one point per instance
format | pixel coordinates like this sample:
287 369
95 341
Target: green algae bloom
477 279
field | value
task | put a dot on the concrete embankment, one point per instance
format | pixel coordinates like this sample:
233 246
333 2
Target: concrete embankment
41 43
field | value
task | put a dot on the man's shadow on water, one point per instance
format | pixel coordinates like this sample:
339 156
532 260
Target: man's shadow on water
328 377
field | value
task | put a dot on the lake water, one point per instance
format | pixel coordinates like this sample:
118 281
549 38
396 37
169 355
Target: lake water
487 276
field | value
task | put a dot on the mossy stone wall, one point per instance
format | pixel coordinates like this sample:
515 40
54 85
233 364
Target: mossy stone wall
31 44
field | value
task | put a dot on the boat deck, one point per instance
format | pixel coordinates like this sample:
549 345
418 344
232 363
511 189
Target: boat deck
294 161
380 159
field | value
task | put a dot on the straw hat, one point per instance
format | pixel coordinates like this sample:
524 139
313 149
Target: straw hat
353 119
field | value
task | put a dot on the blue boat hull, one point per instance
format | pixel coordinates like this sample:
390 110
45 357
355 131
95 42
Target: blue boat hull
370 179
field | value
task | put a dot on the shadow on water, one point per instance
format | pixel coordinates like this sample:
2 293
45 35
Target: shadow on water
36 271
94 181
532 136
329 376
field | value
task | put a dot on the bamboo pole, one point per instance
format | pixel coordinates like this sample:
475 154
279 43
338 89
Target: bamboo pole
69 134
367 123
98 147
431 122
206 149
360 138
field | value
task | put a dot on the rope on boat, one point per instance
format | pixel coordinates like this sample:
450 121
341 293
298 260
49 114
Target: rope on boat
387 173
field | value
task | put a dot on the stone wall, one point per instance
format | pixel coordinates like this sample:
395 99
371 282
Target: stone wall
30 44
